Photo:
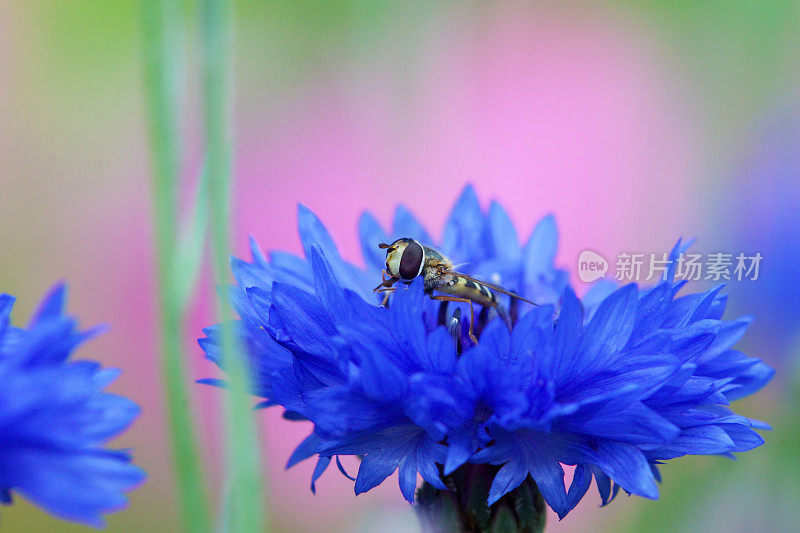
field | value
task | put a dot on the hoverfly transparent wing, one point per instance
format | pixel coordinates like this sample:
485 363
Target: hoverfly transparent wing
489 285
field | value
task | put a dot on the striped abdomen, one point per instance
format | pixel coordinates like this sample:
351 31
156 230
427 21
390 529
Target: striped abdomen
464 288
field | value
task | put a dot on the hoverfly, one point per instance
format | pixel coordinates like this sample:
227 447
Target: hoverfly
406 259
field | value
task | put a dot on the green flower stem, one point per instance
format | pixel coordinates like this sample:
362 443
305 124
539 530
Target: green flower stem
161 28
463 508
246 500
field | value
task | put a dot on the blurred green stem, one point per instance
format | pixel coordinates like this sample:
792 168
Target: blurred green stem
246 500
463 507
161 30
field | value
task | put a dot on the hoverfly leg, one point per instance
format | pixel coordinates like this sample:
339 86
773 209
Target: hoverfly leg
388 291
385 286
385 282
446 298
472 323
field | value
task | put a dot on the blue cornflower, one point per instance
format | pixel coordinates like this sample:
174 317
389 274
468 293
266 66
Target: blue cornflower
55 418
640 377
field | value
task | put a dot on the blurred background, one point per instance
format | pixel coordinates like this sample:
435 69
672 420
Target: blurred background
634 122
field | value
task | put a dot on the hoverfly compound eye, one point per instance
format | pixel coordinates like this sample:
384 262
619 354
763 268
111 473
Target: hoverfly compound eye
411 260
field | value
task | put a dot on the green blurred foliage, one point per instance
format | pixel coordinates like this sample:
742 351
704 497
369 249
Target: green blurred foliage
738 56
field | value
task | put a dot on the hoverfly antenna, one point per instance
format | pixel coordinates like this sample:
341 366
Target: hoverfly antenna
383 245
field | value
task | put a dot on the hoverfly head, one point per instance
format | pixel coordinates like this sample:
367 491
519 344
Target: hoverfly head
404 258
